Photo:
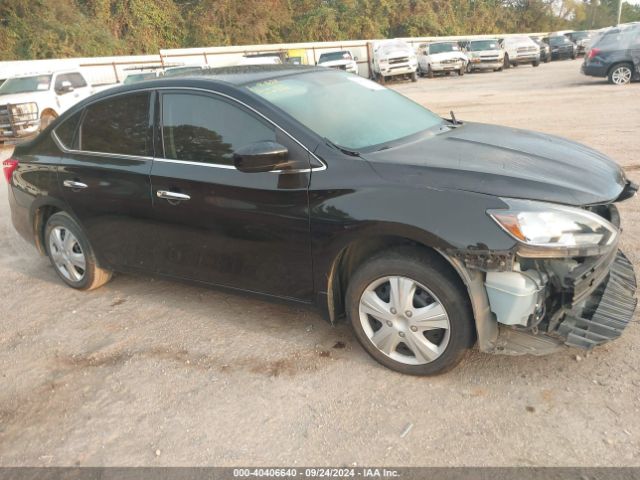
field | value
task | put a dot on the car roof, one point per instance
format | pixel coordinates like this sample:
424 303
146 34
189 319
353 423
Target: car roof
243 74
235 76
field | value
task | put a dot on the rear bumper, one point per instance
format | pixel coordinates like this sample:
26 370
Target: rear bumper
594 70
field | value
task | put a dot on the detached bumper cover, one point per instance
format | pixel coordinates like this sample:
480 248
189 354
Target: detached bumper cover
606 312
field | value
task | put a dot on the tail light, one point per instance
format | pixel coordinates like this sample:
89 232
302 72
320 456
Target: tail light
8 167
593 52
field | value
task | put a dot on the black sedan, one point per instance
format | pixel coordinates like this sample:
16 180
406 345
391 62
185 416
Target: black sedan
562 47
321 187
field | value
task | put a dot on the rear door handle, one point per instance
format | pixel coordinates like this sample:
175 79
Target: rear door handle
172 195
74 185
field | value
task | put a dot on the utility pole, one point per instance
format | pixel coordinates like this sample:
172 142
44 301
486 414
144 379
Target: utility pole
619 11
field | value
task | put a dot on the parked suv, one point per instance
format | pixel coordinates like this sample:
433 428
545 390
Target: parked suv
430 235
561 47
440 57
342 60
394 58
31 102
582 40
484 55
520 50
615 55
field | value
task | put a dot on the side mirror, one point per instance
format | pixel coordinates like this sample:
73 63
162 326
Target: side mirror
260 157
65 87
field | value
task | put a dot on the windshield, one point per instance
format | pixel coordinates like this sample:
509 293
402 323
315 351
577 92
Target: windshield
443 47
483 45
329 57
25 84
350 111
558 40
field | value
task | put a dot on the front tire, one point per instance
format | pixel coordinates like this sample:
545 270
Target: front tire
414 77
507 63
71 254
536 64
409 312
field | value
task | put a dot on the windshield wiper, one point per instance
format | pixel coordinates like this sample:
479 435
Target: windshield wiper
346 151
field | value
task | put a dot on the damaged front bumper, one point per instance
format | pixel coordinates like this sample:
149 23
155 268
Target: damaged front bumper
537 306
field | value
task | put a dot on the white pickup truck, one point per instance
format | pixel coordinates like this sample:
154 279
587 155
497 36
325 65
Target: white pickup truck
393 58
29 103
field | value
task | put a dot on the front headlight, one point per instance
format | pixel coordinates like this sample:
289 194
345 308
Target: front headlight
24 108
549 230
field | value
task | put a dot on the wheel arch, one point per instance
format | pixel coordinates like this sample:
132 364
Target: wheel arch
358 250
618 63
48 110
41 211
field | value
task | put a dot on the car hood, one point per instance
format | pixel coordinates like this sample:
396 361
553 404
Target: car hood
15 98
506 162
394 54
439 57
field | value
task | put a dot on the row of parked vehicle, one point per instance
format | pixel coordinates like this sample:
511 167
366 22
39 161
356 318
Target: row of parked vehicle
29 103
397 58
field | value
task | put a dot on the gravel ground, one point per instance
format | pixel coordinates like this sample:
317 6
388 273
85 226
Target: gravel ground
150 372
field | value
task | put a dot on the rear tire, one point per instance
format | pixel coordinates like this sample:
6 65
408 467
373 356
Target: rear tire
71 254
429 72
620 74
430 315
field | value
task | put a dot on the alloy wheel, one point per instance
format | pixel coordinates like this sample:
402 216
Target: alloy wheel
67 254
404 320
621 75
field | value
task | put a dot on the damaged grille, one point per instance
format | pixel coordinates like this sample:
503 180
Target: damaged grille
605 316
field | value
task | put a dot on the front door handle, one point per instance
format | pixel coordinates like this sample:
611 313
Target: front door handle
74 185
172 195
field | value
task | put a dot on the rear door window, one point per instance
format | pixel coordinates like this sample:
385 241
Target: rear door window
66 132
118 125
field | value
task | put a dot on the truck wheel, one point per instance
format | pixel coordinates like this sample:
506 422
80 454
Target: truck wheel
46 119
536 63
507 63
620 74
469 68
461 71
71 254
414 77
409 312
381 79
429 72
